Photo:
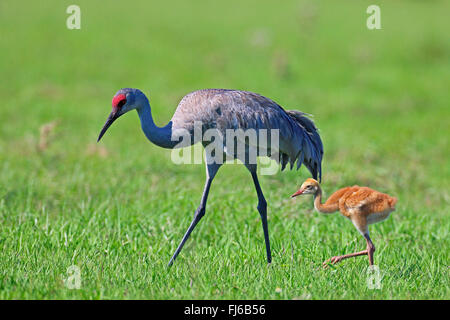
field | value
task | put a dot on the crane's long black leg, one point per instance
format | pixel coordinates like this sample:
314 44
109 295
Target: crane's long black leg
200 212
262 208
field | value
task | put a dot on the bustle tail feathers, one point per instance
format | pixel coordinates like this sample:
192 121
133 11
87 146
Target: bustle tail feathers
311 150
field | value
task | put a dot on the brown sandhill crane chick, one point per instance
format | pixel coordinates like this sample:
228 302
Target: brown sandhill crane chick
362 205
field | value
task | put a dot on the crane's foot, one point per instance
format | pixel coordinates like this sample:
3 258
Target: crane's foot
170 262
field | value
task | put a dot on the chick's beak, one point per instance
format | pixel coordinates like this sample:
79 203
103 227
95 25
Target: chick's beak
299 192
111 118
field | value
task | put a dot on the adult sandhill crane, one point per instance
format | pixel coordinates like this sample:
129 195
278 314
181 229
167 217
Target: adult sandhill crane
222 110
362 205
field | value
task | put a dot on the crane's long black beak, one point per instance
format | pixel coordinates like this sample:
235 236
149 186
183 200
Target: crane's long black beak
111 118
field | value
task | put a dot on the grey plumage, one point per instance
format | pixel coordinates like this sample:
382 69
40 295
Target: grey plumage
234 109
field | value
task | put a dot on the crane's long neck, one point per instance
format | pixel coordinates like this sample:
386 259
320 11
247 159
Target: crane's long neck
323 208
159 136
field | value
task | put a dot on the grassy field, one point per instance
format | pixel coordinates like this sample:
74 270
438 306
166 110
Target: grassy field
118 209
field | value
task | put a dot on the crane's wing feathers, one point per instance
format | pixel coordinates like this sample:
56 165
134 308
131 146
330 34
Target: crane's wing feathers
234 109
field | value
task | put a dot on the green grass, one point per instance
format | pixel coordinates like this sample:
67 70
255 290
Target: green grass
118 209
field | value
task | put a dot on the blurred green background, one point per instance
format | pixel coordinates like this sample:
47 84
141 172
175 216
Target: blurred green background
118 209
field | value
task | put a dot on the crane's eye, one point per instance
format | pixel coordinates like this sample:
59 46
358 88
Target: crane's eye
119 100
121 103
